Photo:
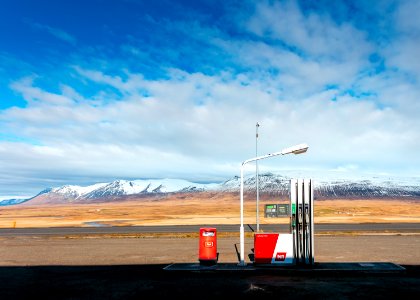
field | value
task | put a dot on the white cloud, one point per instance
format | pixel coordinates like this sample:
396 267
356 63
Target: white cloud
34 94
300 54
402 52
313 34
199 126
56 32
293 70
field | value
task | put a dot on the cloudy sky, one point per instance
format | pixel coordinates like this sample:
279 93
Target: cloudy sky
92 91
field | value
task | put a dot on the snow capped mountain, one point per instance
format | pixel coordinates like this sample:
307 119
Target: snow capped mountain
331 185
118 188
327 185
75 191
124 187
268 183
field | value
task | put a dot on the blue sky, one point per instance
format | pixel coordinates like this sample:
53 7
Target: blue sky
94 91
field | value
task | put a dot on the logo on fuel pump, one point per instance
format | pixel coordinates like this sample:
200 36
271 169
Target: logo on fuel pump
280 256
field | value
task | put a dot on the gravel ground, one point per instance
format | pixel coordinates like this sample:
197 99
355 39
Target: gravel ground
32 251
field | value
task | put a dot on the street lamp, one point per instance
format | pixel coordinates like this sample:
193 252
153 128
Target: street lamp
298 149
257 179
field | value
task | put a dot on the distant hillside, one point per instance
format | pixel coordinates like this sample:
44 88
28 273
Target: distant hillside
376 187
326 186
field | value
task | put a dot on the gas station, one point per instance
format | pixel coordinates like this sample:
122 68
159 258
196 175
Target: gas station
292 250
296 246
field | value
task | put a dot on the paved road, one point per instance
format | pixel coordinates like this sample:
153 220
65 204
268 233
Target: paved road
319 228
152 282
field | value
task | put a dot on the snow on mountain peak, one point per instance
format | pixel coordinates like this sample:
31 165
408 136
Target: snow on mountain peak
75 190
127 187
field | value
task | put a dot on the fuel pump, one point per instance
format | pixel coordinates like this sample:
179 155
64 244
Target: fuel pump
301 196
300 239
297 246
309 221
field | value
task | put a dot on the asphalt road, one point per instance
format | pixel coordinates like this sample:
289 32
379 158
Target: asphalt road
319 228
152 282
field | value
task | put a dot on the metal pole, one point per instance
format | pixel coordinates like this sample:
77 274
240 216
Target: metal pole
241 230
257 179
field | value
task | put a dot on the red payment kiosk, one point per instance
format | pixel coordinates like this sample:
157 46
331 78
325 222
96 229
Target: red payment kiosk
273 248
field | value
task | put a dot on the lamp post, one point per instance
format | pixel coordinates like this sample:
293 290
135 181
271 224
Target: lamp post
257 179
298 149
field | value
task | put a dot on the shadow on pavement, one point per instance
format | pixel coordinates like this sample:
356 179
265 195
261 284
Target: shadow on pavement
152 281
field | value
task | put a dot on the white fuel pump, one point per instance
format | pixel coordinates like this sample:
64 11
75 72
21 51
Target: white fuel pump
302 220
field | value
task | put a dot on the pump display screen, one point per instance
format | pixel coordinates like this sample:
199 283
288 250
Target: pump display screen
283 210
270 211
276 210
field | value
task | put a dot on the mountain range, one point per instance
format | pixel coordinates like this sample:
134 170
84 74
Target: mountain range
326 186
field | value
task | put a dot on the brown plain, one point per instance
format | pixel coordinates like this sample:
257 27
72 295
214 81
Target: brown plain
200 209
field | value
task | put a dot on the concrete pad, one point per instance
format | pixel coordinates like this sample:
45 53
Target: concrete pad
351 267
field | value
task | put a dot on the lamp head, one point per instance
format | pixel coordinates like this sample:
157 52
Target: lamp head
297 149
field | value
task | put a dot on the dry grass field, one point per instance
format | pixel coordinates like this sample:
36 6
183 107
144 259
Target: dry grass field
197 209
